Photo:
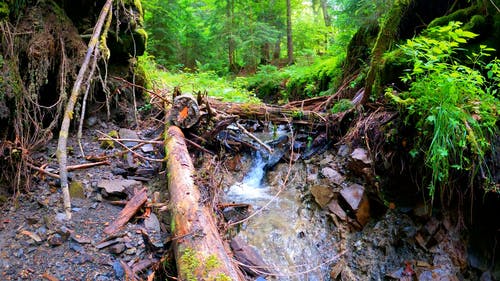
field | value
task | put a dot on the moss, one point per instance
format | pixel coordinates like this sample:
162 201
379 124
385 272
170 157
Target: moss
462 15
109 144
76 189
189 263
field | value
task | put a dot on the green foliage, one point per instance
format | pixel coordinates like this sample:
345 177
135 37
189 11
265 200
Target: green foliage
341 106
452 103
228 90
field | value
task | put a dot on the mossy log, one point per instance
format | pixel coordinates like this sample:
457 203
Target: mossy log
199 250
295 114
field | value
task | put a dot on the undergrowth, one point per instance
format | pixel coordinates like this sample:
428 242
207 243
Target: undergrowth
230 90
453 104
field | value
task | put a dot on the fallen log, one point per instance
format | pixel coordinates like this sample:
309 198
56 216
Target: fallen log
199 250
276 114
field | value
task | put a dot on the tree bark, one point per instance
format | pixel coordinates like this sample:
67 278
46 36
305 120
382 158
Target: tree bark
289 38
326 15
387 35
231 42
68 113
199 250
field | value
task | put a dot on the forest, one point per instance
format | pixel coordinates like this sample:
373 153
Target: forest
249 140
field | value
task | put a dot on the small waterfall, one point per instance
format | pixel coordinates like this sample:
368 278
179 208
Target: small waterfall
251 187
287 237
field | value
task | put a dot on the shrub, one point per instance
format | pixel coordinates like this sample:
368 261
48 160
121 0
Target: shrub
452 104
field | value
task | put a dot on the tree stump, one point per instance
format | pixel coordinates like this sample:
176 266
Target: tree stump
185 111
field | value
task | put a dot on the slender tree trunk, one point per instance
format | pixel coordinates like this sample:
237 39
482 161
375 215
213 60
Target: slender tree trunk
387 34
277 51
68 113
326 15
289 39
231 43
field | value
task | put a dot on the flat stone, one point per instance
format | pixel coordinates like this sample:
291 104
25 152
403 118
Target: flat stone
353 195
335 208
361 154
118 186
322 194
128 134
117 248
152 223
248 255
55 240
332 175
148 147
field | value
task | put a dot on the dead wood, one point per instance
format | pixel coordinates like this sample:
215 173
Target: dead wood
87 165
192 222
68 113
185 111
128 212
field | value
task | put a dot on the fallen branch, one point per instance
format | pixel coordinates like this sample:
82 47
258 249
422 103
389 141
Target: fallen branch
128 212
87 165
254 138
68 113
193 222
56 176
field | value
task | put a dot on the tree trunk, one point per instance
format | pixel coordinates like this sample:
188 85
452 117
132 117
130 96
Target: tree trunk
387 34
68 113
326 15
231 43
199 250
289 39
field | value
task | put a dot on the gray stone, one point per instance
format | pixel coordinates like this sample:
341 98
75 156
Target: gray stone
128 134
117 248
353 195
147 148
322 194
360 154
152 223
118 186
332 175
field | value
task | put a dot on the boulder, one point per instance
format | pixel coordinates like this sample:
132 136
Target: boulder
118 187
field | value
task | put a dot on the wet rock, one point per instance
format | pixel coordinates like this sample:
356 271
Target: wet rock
322 194
117 248
118 187
335 208
332 175
247 255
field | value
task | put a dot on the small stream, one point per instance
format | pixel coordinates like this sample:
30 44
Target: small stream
292 239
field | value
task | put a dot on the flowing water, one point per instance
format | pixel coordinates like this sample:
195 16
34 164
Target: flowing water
293 239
